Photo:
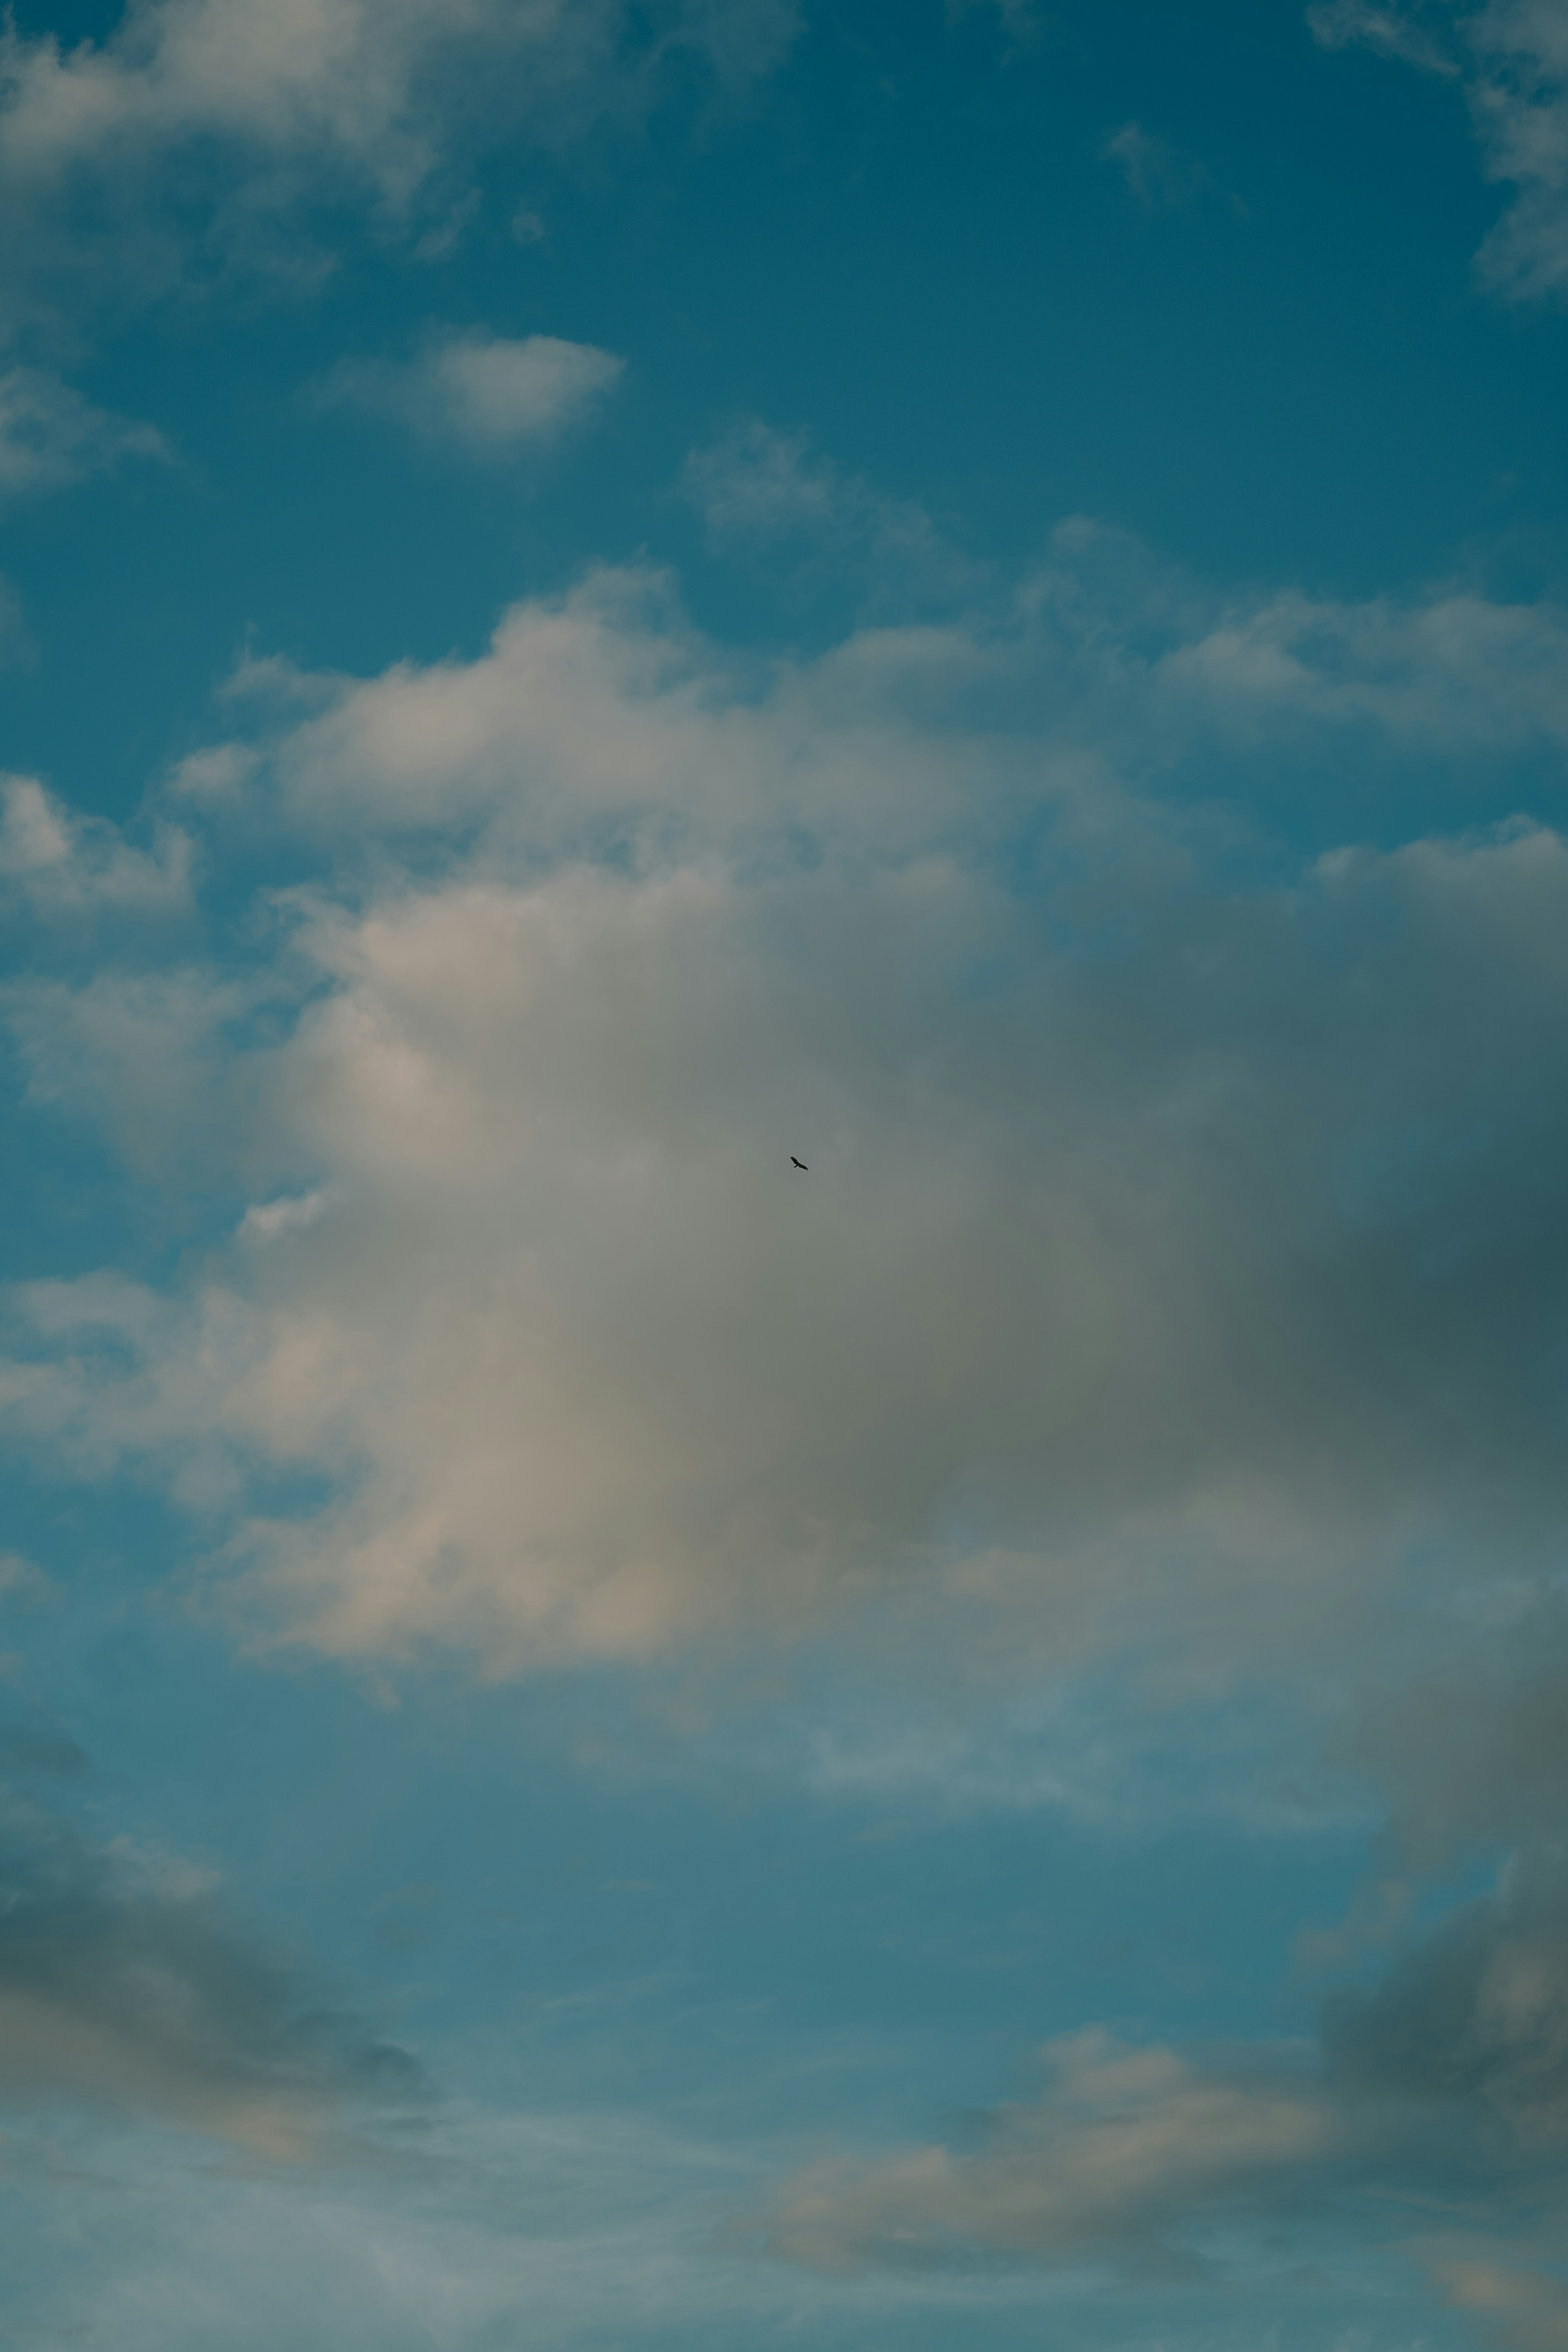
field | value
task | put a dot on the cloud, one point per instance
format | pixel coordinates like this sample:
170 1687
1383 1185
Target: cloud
1525 2310
1127 2144
485 394
126 1988
1477 2017
545 2224
758 480
1173 1302
1092 1121
189 136
1415 669
1511 59
50 435
1159 175
1395 31
64 864
755 484
1443 2091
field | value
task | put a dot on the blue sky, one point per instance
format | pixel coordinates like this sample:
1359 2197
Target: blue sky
603 1743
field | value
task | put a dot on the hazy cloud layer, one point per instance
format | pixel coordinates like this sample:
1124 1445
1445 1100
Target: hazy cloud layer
552 2226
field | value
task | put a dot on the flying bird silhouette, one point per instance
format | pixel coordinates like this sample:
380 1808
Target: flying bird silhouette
800 1164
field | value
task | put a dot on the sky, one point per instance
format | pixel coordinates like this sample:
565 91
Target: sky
609 1743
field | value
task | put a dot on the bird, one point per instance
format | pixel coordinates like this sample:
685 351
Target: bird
800 1164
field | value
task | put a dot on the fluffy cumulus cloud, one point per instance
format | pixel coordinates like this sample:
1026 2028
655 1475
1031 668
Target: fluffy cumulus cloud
195 125
1511 56
488 395
1180 1259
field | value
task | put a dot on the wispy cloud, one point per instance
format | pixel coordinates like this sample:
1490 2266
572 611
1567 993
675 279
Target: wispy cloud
758 483
1417 34
555 2225
63 863
1444 2090
1159 175
126 1988
189 135
769 493
1511 58
50 435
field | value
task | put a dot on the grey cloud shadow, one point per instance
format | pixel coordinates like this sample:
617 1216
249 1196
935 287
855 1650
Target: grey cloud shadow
127 1985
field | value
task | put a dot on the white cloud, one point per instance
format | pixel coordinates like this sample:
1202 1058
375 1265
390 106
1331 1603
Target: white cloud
50 435
1458 667
599 1373
487 394
197 125
1511 56
1171 1303
66 864
266 1220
